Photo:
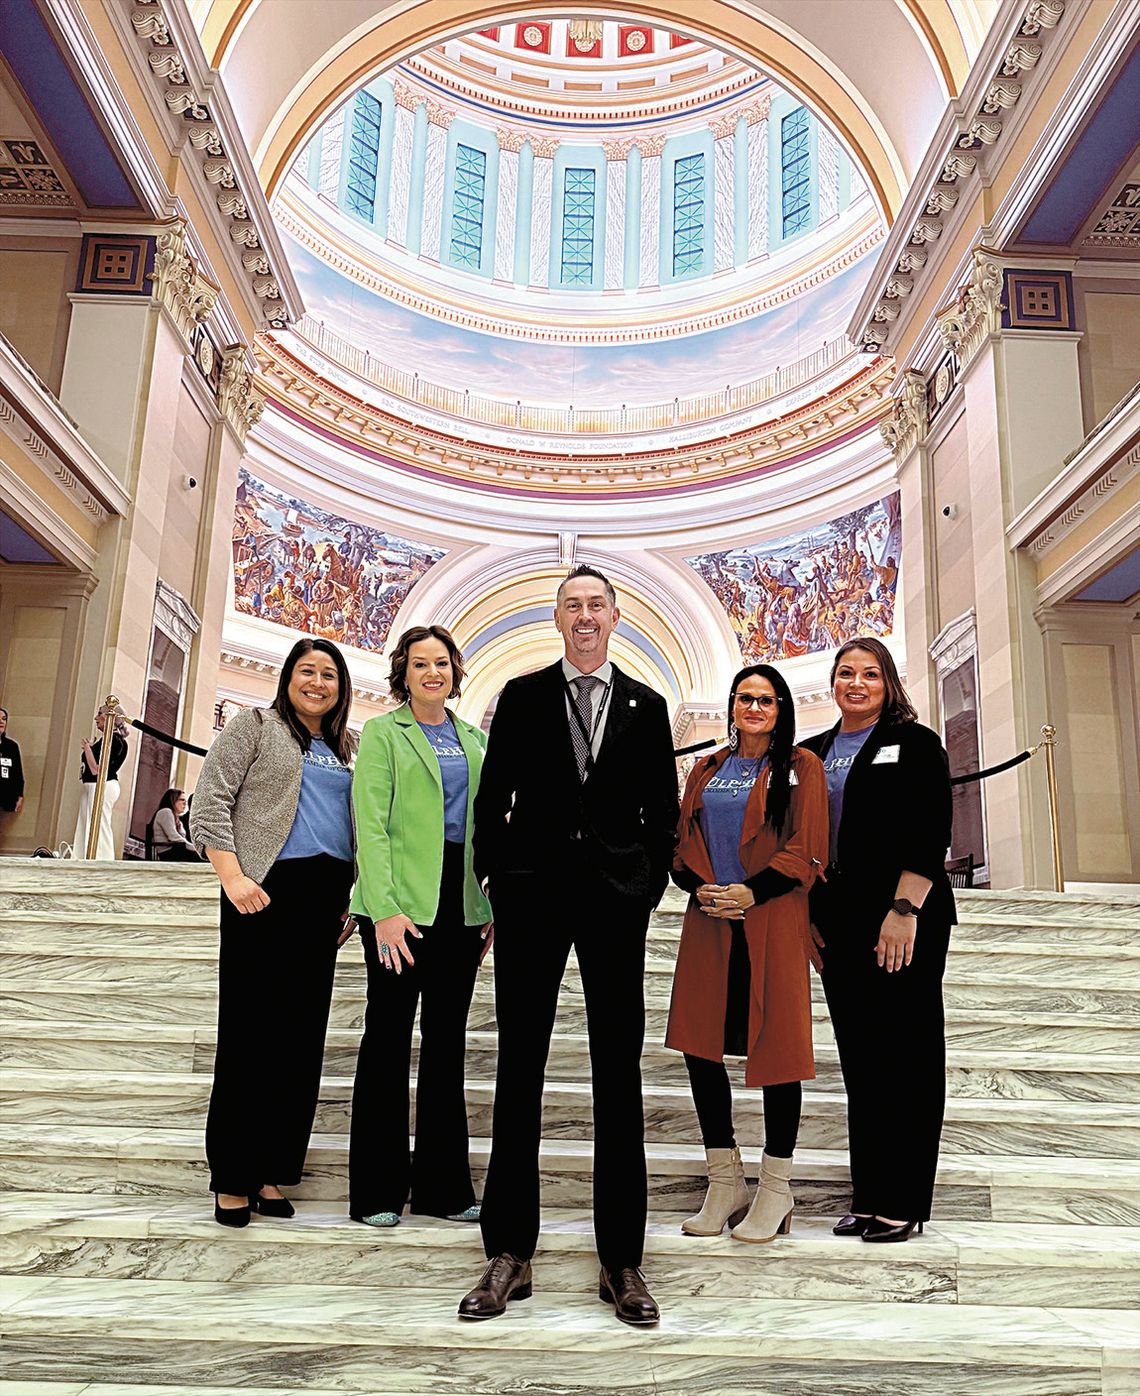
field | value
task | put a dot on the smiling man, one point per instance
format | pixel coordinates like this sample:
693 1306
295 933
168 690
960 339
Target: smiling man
575 822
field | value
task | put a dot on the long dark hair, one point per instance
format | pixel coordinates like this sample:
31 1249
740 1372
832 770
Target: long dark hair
897 707
168 800
780 743
398 664
334 724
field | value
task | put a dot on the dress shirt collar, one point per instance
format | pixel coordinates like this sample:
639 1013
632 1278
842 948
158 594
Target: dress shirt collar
569 673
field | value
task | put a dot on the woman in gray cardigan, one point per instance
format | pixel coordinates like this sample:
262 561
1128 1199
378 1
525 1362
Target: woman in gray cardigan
272 811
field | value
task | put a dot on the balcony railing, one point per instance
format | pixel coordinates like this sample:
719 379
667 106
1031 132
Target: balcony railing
465 405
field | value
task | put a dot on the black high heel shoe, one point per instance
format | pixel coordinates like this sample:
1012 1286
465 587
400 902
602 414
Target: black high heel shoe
851 1225
877 1230
231 1216
272 1206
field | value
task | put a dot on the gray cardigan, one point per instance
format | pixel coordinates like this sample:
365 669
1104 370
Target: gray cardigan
246 797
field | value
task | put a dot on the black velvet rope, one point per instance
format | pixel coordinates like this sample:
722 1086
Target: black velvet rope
679 751
991 770
162 737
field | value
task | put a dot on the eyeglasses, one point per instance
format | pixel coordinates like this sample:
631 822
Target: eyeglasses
759 700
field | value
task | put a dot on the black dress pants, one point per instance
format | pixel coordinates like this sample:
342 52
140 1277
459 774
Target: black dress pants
890 1031
382 1170
275 979
534 932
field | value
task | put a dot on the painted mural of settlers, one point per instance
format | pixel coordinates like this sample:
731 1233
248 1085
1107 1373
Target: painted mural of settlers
317 573
810 591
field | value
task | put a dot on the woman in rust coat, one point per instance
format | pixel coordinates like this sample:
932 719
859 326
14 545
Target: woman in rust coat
752 836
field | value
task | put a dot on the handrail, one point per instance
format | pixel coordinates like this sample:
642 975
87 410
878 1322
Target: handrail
476 407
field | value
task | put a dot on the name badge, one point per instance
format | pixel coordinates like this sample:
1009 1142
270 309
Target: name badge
5 761
885 756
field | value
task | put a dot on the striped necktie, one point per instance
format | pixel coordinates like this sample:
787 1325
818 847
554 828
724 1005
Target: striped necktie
583 689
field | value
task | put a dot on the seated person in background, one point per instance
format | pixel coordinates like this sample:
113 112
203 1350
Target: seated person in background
168 836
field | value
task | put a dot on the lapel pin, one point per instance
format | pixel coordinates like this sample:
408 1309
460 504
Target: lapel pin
633 702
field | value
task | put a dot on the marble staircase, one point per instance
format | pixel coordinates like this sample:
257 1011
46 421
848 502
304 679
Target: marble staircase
118 1283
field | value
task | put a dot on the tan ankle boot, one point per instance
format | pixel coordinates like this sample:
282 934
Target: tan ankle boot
771 1212
727 1197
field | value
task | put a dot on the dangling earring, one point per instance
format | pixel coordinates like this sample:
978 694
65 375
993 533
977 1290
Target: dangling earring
733 736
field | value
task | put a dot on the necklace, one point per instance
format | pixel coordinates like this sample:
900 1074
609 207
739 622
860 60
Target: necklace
753 769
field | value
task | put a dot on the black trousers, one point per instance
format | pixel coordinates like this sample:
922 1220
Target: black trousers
275 978
890 1031
535 929
382 1170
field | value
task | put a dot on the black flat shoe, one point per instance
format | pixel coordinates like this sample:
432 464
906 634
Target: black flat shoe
851 1225
273 1206
877 1230
231 1216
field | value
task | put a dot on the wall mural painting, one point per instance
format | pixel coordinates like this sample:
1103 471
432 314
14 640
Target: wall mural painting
317 573
813 590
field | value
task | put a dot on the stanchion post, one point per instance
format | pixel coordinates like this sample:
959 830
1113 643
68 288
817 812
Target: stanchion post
1049 742
110 711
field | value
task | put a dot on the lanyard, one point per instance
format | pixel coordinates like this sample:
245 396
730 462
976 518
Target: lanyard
589 733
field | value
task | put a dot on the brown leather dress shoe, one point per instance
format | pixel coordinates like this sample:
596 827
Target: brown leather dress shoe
625 1290
505 1278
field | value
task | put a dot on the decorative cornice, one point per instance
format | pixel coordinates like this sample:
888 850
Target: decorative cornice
976 311
178 285
906 425
192 94
972 125
238 401
255 664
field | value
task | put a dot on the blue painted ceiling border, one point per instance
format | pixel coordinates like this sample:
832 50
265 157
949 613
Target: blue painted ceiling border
62 108
1094 160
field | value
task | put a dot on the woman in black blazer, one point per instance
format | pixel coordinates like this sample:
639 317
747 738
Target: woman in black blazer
882 920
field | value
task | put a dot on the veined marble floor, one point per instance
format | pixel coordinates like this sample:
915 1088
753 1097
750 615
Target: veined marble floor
116 1282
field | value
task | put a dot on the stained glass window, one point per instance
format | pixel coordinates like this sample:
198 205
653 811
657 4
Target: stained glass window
578 193
467 207
795 173
688 214
363 157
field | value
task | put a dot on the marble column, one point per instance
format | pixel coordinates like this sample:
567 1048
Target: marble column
506 226
757 118
651 148
828 174
617 156
416 179
332 150
632 259
543 148
435 178
724 192
400 177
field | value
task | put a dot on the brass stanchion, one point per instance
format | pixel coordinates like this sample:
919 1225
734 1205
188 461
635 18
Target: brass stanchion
109 712
1049 742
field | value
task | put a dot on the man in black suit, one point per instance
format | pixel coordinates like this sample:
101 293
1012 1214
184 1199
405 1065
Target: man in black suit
575 823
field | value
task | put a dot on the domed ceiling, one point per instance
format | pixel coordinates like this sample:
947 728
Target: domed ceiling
551 234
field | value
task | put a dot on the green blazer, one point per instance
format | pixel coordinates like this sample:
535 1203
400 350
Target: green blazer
397 798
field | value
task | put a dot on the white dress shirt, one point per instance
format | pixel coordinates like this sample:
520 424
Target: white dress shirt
600 695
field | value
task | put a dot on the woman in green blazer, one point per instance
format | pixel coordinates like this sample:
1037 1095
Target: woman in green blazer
426 926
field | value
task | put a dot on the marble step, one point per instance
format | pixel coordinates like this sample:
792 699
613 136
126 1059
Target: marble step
983 1028
194 922
972 1125
1013 1075
168 1162
130 1238
217 1334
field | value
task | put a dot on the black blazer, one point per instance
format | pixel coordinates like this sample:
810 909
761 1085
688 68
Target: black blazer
625 811
896 817
12 775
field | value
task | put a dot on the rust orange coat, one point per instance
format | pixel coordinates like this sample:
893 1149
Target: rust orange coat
778 932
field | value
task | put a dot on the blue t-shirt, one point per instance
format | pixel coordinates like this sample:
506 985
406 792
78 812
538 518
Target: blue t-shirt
722 815
836 766
453 772
323 822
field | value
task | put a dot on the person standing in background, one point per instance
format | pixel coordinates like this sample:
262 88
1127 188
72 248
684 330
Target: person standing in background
89 775
11 776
